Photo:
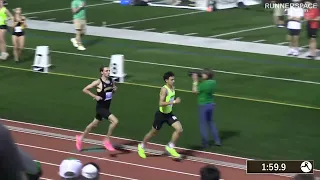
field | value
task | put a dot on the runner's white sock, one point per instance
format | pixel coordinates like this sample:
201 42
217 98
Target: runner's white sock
142 145
171 145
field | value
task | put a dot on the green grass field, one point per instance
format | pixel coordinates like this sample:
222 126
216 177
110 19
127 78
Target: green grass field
258 117
250 25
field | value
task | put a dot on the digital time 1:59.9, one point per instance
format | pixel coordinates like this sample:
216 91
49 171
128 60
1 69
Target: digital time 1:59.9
273 166
270 166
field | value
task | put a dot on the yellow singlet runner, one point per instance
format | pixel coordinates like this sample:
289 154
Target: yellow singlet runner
3 16
169 98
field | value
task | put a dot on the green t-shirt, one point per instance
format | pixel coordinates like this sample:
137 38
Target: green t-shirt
80 14
205 90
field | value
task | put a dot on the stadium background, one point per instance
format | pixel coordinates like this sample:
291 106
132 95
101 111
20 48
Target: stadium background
257 117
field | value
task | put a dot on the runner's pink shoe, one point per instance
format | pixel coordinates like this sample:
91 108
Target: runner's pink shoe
78 142
108 145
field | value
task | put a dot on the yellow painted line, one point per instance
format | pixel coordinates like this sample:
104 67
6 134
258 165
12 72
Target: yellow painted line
182 90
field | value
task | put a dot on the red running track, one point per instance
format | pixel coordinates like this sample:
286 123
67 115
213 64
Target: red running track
122 164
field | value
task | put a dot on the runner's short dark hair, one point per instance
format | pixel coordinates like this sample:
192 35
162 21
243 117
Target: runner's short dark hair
208 72
209 172
102 68
167 75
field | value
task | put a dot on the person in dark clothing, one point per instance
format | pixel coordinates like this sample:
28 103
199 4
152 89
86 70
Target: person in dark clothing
312 16
32 168
209 172
304 177
11 165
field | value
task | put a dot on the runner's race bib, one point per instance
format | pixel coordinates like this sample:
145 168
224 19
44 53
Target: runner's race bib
108 96
171 100
18 29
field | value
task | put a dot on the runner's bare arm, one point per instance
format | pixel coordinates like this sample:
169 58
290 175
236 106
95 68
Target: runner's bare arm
163 94
10 16
195 87
15 24
195 83
24 20
114 87
90 86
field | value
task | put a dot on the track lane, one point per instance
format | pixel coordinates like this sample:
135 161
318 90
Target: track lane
188 168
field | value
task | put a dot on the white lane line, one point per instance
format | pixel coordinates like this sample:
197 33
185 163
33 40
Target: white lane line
155 18
245 30
187 67
68 8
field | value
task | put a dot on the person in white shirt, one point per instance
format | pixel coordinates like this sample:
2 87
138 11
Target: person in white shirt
295 15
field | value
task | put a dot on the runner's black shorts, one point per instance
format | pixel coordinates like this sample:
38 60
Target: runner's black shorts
161 118
102 113
294 32
18 34
3 27
311 32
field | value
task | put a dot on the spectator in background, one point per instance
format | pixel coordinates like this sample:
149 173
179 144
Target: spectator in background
278 14
4 13
11 165
295 15
205 89
70 169
79 19
304 177
209 172
312 18
90 171
18 35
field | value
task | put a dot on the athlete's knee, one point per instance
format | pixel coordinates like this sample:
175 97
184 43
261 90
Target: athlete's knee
179 130
21 47
177 127
89 127
114 120
153 131
78 32
93 124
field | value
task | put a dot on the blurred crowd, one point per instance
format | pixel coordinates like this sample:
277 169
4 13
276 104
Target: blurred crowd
293 17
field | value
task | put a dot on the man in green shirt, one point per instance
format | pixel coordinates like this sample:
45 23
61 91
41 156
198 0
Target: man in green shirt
79 20
205 89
